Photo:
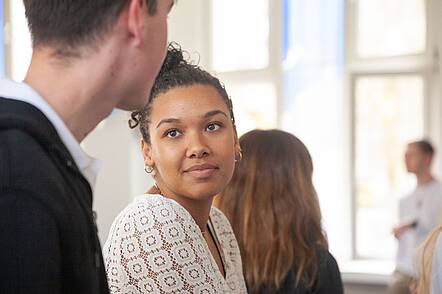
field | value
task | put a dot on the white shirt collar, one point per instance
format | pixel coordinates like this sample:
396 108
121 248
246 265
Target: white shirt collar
23 92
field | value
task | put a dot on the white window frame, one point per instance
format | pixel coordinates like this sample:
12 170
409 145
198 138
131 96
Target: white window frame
16 63
425 64
6 36
272 73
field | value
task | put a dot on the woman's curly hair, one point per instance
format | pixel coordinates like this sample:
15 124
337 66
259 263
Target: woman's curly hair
176 71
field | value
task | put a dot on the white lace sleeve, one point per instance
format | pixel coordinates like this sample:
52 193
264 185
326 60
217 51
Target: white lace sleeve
153 247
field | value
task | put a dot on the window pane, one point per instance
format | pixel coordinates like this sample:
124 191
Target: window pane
313 105
21 47
240 34
390 27
2 51
254 105
388 115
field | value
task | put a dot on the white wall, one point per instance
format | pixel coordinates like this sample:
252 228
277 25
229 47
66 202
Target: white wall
115 145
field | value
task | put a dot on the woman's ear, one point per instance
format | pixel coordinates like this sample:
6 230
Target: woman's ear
238 151
147 153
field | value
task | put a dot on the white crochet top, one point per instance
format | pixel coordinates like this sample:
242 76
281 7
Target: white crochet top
155 246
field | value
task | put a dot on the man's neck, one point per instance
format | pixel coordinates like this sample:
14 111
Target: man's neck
76 91
424 178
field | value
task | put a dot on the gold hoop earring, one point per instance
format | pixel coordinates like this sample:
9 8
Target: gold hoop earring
148 169
239 158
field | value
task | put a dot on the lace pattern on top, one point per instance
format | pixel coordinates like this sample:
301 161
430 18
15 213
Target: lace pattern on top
155 246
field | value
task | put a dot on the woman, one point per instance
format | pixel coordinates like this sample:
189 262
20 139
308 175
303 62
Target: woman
430 274
171 240
272 206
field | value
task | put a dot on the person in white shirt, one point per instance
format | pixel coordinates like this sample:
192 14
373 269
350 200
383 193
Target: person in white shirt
419 213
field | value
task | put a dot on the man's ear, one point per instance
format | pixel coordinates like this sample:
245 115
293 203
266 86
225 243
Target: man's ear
428 160
147 153
136 14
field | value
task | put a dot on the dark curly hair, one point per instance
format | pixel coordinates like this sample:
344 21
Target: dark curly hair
176 71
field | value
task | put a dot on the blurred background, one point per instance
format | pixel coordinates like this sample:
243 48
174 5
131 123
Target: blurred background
354 79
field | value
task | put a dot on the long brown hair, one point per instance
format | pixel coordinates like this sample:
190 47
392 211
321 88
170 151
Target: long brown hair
274 211
426 261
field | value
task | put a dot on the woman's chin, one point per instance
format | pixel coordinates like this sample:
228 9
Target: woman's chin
203 194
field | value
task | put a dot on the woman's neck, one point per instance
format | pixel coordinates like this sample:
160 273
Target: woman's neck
198 209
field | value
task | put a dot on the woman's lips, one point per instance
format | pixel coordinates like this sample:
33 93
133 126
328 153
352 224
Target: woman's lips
202 171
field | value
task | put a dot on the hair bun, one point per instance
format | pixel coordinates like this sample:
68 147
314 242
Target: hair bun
173 58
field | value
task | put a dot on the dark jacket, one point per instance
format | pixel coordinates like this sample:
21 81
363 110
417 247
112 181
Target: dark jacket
328 280
48 236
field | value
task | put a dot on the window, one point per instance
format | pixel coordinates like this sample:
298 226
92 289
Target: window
389 112
313 105
2 51
389 85
241 56
390 28
240 44
255 105
18 46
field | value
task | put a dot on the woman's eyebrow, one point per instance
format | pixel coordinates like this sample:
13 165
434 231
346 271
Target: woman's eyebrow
168 120
214 112
176 120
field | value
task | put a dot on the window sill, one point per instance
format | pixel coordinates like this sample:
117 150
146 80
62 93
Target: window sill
367 272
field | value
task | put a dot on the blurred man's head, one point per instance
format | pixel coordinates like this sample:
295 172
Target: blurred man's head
418 157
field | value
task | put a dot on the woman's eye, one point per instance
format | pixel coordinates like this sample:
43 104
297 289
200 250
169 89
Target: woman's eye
213 127
173 133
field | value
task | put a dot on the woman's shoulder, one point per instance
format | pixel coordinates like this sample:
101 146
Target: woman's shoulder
225 233
326 261
157 206
324 255
329 275
216 213
220 220
155 245
148 214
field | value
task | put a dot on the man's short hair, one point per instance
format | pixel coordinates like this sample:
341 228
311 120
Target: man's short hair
71 23
424 146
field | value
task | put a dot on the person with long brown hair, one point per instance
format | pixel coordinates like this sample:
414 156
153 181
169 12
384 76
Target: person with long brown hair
274 211
430 264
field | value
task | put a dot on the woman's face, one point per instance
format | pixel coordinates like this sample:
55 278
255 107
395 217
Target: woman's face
193 143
